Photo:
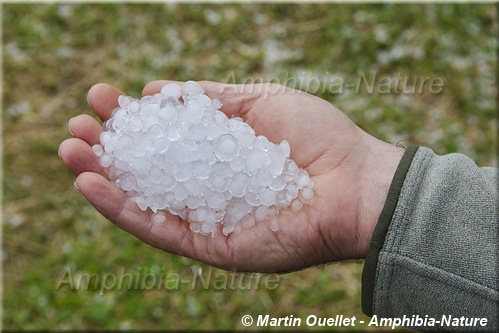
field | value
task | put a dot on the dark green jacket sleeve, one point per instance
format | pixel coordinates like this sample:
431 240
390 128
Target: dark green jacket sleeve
435 249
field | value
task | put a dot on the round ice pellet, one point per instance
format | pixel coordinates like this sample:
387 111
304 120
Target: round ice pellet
98 150
268 197
226 147
172 89
106 160
159 218
307 193
192 88
296 205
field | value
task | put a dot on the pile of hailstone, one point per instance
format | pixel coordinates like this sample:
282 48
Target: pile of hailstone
177 151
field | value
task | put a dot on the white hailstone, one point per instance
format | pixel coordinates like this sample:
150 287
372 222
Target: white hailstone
106 160
307 193
296 205
98 150
176 151
159 218
172 89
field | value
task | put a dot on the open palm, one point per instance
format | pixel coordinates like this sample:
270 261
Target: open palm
343 161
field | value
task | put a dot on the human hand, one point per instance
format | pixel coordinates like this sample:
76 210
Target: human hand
351 171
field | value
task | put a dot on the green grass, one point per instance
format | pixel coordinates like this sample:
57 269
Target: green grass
52 55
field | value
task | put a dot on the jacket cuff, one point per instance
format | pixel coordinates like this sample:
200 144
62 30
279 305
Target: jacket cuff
381 229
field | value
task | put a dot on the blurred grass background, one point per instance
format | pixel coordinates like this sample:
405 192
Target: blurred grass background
52 55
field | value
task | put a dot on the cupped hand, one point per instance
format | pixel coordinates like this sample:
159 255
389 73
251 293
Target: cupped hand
351 171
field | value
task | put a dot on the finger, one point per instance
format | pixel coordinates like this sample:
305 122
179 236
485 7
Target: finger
79 157
103 98
86 128
113 203
237 99
122 210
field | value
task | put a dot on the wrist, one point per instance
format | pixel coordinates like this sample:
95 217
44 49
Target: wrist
381 160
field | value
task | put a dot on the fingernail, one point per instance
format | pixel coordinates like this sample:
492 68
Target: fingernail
88 95
76 186
69 127
59 152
